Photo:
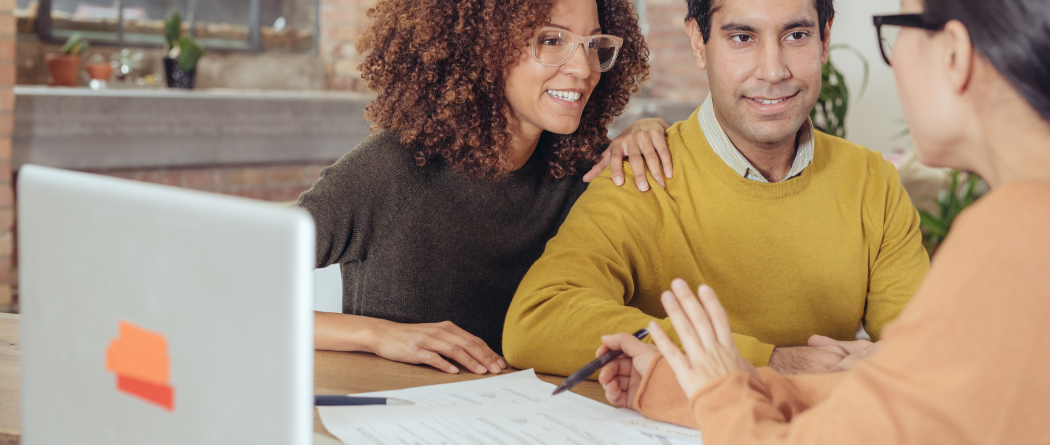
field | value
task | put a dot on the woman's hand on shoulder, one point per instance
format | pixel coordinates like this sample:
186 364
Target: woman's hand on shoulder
431 344
644 145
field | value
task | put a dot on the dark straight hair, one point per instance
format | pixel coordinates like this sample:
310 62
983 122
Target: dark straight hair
1014 35
701 11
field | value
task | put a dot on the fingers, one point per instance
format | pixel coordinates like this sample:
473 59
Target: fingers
671 353
435 360
601 350
660 143
615 377
474 347
603 162
855 346
718 316
637 161
688 332
613 158
631 346
652 159
850 347
820 340
689 304
456 353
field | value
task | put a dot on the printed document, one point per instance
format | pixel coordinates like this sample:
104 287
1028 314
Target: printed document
516 409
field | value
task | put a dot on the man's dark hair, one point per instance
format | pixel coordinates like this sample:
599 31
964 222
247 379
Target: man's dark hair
701 11
1014 35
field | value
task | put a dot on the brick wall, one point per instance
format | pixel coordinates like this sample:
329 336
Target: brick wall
673 75
8 277
341 22
267 182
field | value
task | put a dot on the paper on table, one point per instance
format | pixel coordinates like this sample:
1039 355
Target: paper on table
637 421
479 399
517 387
512 424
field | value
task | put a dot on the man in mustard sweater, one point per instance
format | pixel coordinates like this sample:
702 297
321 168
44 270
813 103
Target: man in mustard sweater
799 232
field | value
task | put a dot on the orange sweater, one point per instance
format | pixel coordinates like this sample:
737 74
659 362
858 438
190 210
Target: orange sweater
968 361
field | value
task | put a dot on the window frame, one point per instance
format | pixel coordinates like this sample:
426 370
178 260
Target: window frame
44 27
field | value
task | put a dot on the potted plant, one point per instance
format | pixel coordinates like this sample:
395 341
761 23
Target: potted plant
963 189
99 69
65 67
180 64
829 114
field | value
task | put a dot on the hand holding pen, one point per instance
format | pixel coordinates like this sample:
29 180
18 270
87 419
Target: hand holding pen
605 355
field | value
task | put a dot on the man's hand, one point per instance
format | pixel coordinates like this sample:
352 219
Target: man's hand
859 350
643 143
426 343
806 359
621 377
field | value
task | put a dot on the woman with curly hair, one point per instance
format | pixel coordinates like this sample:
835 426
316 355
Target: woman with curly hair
489 111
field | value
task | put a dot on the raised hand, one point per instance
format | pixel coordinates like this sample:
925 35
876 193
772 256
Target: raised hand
643 144
703 328
621 377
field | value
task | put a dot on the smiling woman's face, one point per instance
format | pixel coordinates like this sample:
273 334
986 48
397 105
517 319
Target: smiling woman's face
552 98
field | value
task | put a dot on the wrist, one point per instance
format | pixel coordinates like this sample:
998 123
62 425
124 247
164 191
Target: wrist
365 337
345 332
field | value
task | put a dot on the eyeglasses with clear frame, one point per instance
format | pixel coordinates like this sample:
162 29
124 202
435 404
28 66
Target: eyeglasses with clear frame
888 28
554 47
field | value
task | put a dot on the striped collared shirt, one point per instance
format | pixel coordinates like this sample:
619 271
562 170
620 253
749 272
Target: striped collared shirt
725 149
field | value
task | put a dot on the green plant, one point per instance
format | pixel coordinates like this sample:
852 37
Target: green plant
829 114
963 189
183 48
75 45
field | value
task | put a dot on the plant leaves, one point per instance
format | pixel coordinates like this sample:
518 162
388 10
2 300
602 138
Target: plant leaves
190 53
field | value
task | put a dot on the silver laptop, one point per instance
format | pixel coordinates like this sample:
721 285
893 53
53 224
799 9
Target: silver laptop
157 315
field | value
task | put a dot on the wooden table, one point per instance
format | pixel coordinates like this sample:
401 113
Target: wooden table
334 373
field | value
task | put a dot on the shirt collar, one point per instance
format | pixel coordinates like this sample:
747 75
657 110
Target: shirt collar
729 154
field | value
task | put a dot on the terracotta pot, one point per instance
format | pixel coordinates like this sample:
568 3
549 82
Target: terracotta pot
65 69
99 71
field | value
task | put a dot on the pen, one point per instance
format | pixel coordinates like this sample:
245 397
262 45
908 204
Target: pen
327 400
594 366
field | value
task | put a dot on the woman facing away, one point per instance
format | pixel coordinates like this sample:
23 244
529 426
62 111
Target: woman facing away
968 359
489 111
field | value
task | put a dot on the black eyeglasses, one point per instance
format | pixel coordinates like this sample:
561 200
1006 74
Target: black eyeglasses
888 27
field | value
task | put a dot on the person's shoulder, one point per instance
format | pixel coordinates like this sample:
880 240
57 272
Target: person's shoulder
841 148
381 150
841 154
1023 201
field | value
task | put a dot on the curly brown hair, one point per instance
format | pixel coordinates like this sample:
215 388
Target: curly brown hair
437 67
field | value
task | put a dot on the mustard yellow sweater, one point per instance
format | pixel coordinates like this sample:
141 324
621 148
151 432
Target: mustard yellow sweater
816 254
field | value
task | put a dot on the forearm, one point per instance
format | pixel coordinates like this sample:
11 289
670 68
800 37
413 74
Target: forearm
344 332
557 334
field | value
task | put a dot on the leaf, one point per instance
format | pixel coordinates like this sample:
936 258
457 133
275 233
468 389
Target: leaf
75 45
932 223
191 52
173 29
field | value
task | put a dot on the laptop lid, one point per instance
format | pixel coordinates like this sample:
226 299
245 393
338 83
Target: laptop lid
159 315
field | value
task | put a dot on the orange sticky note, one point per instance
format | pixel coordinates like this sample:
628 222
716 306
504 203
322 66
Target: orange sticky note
139 357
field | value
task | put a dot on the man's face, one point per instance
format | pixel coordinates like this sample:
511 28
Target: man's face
763 61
